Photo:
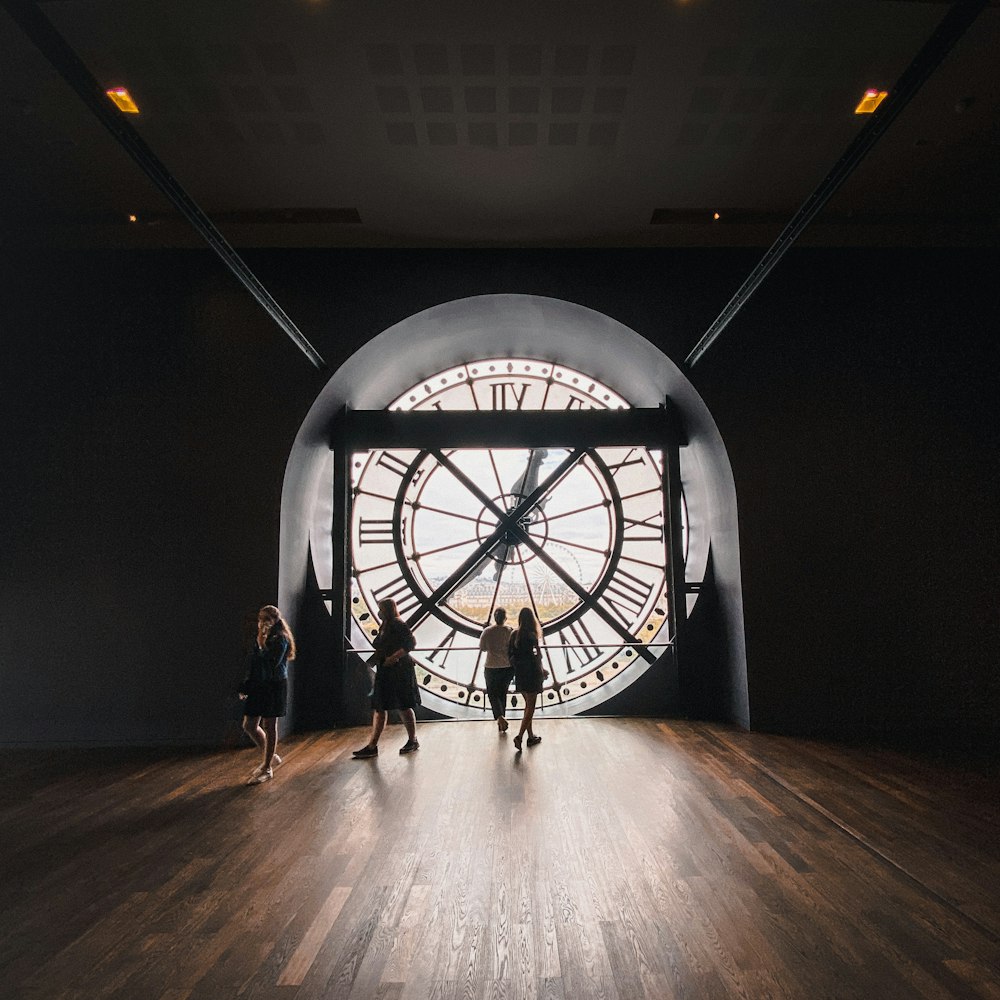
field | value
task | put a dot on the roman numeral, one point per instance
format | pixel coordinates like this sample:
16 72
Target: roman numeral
443 649
393 463
397 466
399 591
500 395
575 403
378 531
578 636
645 530
626 595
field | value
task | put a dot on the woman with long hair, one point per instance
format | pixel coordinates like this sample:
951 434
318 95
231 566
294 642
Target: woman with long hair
265 688
395 680
525 654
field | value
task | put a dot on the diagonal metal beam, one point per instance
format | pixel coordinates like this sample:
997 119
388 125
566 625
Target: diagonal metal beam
510 522
71 68
952 27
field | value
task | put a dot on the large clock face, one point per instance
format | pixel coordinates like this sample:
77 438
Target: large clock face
576 534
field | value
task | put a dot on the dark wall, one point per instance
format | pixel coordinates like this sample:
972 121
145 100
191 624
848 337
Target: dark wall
858 396
149 407
148 410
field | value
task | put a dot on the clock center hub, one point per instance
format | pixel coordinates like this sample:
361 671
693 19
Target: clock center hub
510 548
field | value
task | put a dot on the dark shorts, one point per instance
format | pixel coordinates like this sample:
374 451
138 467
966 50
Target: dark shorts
269 700
528 677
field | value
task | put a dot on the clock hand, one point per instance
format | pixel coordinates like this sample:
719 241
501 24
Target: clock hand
448 586
497 556
528 482
592 602
524 486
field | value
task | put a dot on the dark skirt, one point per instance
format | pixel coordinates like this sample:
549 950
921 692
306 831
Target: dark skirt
395 686
268 699
528 677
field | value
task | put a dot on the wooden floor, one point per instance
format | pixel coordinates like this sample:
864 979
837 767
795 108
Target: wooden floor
618 859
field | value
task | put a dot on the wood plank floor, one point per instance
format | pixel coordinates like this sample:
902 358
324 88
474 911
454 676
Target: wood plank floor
619 859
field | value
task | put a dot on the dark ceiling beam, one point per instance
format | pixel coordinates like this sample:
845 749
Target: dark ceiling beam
952 27
71 68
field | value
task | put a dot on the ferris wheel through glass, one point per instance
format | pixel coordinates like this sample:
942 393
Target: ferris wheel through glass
577 534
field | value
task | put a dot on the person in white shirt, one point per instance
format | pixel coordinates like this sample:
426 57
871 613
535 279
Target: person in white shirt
498 671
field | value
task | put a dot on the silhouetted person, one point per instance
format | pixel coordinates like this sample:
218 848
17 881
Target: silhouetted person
497 670
395 680
265 688
525 654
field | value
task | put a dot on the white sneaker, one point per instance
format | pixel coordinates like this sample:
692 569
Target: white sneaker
259 779
275 761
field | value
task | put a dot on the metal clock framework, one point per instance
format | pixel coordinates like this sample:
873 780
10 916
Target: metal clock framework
513 483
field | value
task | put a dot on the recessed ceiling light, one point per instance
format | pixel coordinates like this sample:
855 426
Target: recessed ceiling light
123 100
716 216
872 99
133 218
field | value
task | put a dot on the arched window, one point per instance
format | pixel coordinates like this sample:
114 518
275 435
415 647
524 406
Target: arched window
518 451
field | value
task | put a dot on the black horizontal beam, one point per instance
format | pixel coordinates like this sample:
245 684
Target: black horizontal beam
72 69
365 429
953 25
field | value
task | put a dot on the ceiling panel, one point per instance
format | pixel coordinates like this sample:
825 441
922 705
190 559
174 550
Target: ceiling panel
518 124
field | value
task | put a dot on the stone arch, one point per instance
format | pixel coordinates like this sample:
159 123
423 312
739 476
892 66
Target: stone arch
713 654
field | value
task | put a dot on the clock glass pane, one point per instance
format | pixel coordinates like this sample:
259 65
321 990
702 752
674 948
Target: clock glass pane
574 533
